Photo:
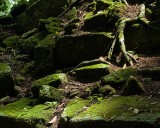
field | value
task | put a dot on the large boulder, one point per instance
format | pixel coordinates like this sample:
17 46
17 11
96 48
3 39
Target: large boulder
92 72
6 80
73 49
38 10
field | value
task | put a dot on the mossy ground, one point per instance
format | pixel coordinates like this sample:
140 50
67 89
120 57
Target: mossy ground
21 111
116 112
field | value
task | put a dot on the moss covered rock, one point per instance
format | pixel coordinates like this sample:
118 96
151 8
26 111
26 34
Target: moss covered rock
48 93
31 42
92 72
51 25
77 48
114 112
97 23
21 115
52 80
6 80
39 10
118 78
133 87
107 90
11 41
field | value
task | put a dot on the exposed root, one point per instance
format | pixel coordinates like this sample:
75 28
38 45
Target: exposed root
129 59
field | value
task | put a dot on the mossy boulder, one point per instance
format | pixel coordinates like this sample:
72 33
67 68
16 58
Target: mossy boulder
21 115
51 25
44 56
133 87
77 48
113 112
11 41
6 80
53 80
92 72
118 78
39 10
31 42
48 93
107 90
97 23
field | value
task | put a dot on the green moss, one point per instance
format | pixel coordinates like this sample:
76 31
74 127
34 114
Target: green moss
107 90
11 41
119 111
51 25
74 107
4 68
17 108
27 68
52 80
48 93
22 115
133 87
29 33
118 78
116 9
29 44
47 42
93 66
88 15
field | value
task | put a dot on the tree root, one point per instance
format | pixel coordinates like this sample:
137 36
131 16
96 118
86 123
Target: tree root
129 59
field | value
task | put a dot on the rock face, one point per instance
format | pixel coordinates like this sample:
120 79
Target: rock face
115 112
6 80
39 10
20 114
77 48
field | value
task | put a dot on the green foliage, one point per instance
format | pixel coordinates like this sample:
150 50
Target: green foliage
6 5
